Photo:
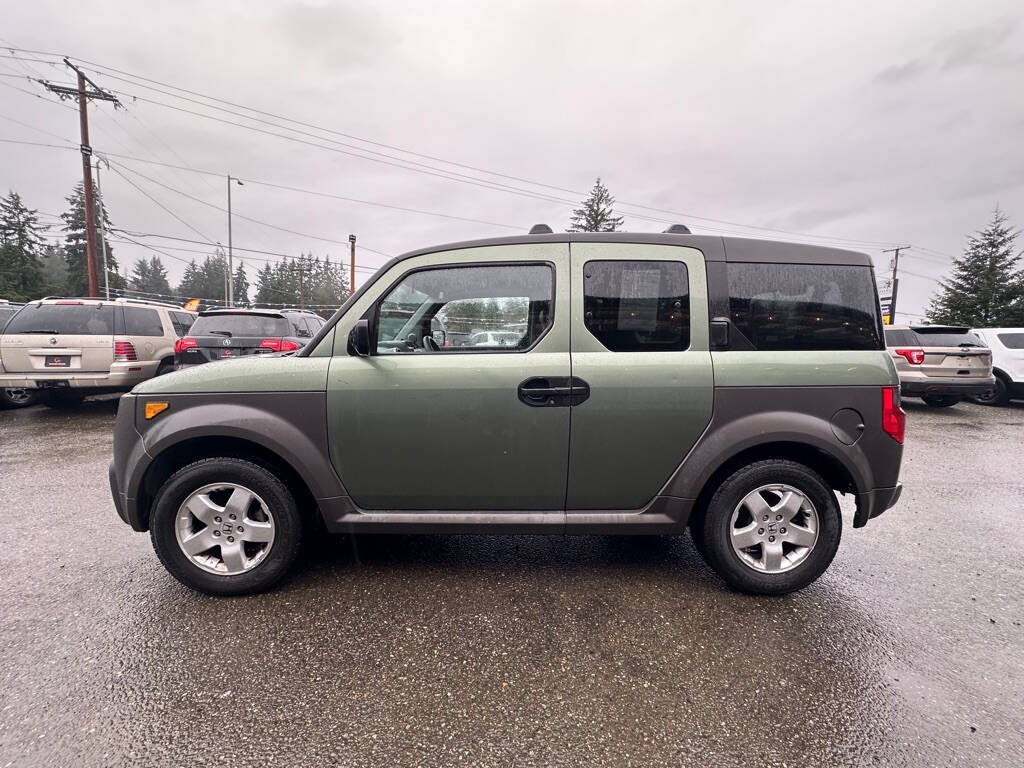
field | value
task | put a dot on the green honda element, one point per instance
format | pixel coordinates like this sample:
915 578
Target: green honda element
550 383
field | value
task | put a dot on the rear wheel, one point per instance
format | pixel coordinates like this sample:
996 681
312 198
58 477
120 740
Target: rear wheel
940 401
998 395
771 528
18 398
61 399
226 526
165 367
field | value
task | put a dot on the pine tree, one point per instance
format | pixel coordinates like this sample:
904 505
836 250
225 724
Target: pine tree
189 286
75 251
21 246
150 277
55 271
240 286
986 288
596 213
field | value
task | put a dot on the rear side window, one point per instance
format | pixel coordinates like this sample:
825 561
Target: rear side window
805 306
637 306
142 322
1011 340
76 319
300 327
263 326
181 321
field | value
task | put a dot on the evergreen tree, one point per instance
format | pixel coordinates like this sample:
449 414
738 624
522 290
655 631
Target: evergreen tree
596 213
189 286
75 251
240 286
55 271
986 288
21 246
150 277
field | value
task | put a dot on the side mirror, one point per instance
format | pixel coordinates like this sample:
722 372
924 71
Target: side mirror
359 339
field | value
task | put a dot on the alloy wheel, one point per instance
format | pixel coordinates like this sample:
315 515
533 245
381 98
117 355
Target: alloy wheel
225 528
774 528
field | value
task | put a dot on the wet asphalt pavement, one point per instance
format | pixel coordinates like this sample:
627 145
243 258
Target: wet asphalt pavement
518 651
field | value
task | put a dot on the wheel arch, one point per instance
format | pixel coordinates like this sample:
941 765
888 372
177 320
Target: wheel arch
192 449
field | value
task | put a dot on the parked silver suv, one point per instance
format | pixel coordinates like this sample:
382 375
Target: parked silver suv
941 364
68 348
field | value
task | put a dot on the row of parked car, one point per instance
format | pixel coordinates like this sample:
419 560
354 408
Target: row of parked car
59 350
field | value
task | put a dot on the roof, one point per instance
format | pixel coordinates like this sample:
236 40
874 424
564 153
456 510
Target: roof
714 247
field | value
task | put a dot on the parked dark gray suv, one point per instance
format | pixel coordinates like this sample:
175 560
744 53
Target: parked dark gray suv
622 383
222 334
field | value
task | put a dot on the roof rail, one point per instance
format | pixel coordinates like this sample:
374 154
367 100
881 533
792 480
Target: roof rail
119 299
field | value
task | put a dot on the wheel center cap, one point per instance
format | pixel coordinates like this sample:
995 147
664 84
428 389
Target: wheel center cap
772 528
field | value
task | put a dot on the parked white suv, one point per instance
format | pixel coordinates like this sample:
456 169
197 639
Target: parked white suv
1007 345
70 348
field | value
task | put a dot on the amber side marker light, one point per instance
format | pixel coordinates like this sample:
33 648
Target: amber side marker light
155 409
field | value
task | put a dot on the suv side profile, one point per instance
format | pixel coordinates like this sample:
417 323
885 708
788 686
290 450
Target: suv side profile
68 348
941 364
657 382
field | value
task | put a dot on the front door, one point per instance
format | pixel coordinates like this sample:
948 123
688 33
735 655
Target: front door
440 416
640 342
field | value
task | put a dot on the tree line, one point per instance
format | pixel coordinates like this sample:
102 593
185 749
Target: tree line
33 266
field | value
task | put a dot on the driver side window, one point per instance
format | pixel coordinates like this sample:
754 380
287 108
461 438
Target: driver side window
479 308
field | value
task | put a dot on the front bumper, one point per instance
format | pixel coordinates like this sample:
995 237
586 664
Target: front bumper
962 387
873 503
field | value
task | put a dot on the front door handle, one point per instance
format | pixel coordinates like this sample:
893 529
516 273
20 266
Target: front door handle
553 391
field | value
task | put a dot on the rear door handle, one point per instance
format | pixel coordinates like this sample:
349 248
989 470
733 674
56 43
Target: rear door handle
553 391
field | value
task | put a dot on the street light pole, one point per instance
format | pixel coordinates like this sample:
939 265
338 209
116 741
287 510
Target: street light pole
102 232
231 265
352 272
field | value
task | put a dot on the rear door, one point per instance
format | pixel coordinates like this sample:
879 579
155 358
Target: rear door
640 343
55 337
1011 351
953 353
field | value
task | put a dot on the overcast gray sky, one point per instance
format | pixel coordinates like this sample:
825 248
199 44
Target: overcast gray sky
870 121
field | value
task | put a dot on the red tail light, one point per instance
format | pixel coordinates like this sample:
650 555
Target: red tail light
913 356
180 345
279 345
124 352
894 419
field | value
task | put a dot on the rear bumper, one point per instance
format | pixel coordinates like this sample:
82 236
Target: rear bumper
873 503
946 386
121 376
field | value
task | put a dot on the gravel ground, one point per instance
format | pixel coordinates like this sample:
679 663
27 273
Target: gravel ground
430 650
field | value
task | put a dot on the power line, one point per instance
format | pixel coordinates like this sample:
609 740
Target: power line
164 207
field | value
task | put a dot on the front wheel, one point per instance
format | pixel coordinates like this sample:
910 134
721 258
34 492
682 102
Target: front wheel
226 526
771 528
940 401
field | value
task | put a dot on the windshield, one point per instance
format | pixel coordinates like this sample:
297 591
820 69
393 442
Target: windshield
240 325
77 319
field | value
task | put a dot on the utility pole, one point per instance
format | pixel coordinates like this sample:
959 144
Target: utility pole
83 95
352 272
231 267
103 231
895 280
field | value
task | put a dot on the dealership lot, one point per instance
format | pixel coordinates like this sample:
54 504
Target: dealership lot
516 650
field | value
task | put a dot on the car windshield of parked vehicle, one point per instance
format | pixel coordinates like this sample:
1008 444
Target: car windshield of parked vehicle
75 319
241 324
1011 340
944 338
805 306
500 307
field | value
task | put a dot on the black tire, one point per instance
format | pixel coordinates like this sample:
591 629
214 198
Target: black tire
18 398
999 395
164 367
60 399
288 525
715 528
940 401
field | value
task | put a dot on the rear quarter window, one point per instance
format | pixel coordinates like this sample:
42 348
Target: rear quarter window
781 307
142 322
1011 340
